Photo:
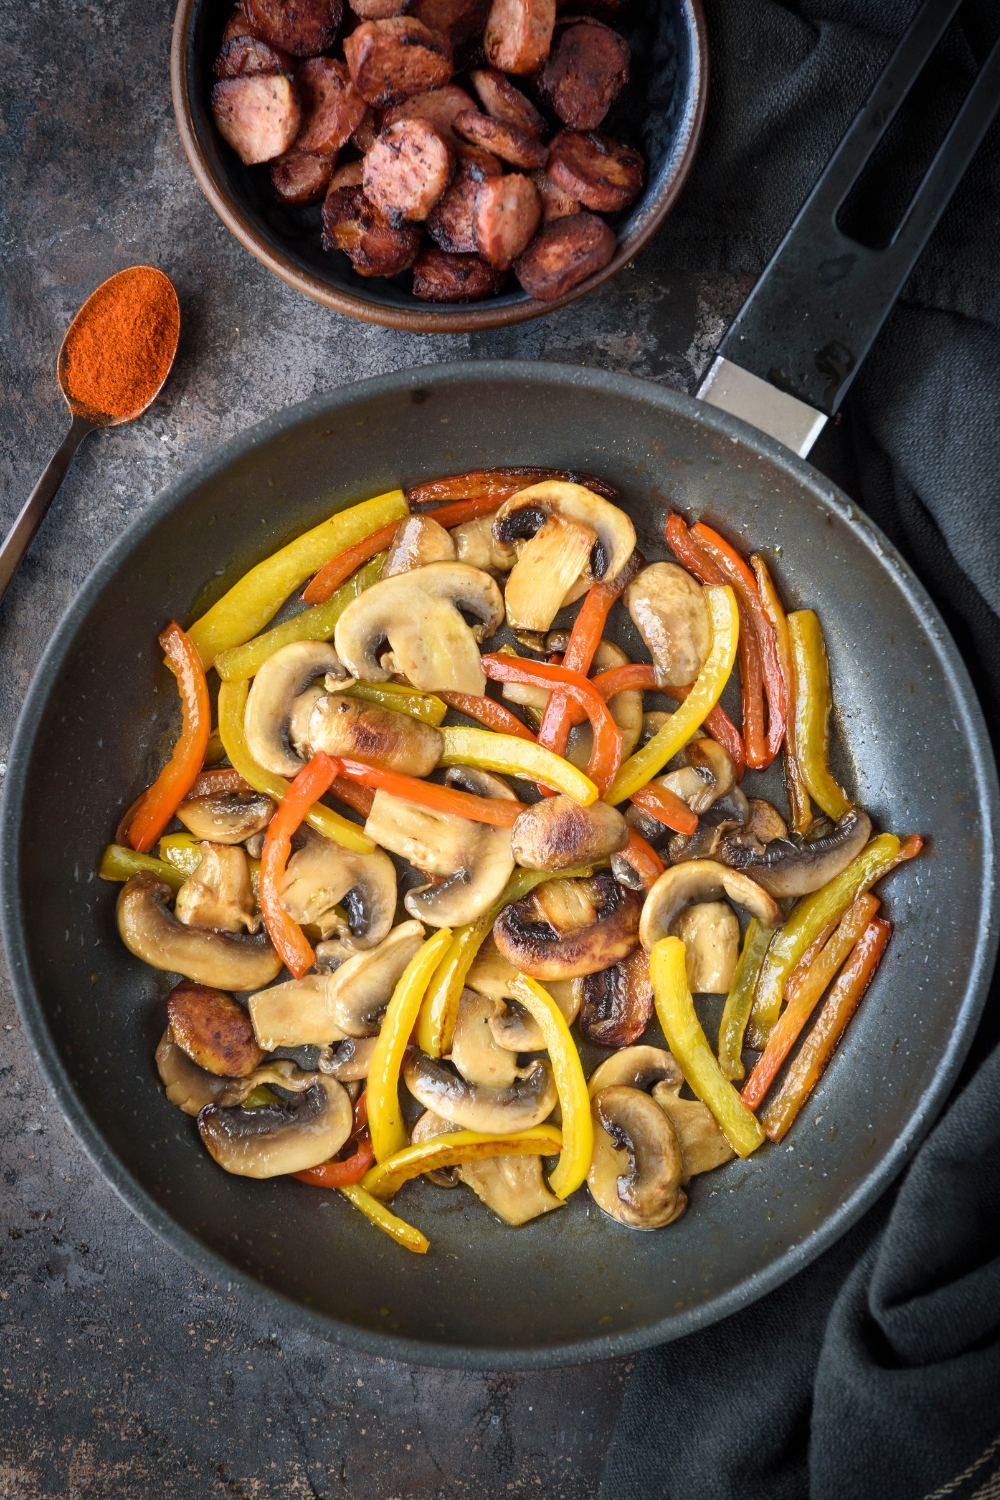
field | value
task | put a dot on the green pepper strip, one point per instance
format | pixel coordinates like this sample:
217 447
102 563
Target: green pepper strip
120 863
806 922
740 999
311 625
258 596
510 756
688 1043
423 706
811 672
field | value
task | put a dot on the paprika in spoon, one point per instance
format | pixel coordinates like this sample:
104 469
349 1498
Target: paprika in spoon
114 359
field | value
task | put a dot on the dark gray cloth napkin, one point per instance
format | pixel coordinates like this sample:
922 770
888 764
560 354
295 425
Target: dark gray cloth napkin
875 1372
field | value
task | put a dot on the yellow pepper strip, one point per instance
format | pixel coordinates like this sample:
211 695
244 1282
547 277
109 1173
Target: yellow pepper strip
688 1043
404 1234
423 706
119 863
258 596
811 732
571 1086
740 998
385 1118
810 916
384 1180
183 851
317 624
232 703
439 1012
698 704
509 756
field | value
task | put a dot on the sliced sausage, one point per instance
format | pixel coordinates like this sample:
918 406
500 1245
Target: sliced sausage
377 10
519 34
349 175
450 225
301 27
440 277
332 108
258 116
373 245
503 140
237 25
504 102
407 170
601 173
565 253
437 106
586 71
365 134
507 213
392 60
459 20
301 177
556 202
245 55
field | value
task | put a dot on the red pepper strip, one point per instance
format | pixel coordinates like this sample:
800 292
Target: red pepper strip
721 727
289 940
666 807
468 510
448 799
479 483
643 858
487 711
215 783
745 584
121 833
635 677
606 754
174 782
360 798
335 1174
332 574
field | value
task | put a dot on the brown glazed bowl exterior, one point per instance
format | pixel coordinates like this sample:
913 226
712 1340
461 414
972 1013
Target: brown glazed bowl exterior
662 112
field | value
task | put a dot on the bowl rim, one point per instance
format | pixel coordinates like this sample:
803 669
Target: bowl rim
471 317
210 1262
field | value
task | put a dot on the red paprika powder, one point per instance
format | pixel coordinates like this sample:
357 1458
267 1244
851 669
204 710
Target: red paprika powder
120 346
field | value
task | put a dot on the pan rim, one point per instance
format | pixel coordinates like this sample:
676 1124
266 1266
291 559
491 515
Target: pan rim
210 1262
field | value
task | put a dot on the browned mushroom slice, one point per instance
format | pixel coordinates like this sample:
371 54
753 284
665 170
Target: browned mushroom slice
474 1050
635 1174
637 1068
226 817
218 894
324 880
512 1026
190 1087
528 1101
380 736
701 880
668 608
764 821
566 929
703 1146
274 697
787 869
558 834
352 1060
711 937
618 1002
512 1186
417 542
290 1135
213 1030
151 931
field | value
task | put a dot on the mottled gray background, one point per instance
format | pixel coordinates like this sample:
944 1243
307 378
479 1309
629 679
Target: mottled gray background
120 1368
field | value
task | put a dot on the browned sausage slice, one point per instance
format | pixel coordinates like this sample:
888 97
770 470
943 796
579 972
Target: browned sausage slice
248 54
519 34
332 108
503 140
258 116
374 247
459 20
349 175
300 177
586 71
301 27
507 213
437 106
365 135
237 25
556 202
504 102
597 170
439 277
450 225
407 170
392 60
377 10
565 253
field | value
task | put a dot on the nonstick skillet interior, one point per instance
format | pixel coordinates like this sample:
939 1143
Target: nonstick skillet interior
102 712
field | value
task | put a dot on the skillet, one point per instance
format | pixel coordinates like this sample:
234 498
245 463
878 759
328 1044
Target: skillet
573 1286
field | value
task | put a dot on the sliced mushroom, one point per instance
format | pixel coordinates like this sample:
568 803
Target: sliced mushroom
476 545
366 731
325 1008
668 608
787 869
220 959
213 1030
764 821
711 937
226 817
278 685
535 935
625 708
290 1135
352 1060
218 895
636 1068
190 1088
572 534
418 614
512 1186
618 1002
701 880
635 1174
703 1145
557 834
324 874
428 1128
418 541
513 1027
474 1052
528 1101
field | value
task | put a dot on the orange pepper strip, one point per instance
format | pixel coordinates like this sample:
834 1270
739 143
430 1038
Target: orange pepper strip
360 798
831 1023
168 791
216 783
335 1174
500 484
644 859
487 711
447 799
722 729
606 754
290 942
332 574
666 807
799 806
461 511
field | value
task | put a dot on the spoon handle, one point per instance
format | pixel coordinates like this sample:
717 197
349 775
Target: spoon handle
19 538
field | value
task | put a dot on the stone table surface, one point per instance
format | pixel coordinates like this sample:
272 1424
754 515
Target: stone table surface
120 1367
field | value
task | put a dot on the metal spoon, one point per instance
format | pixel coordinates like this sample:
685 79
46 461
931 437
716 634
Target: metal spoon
135 344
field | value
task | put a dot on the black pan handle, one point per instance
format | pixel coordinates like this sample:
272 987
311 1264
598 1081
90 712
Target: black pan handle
787 361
